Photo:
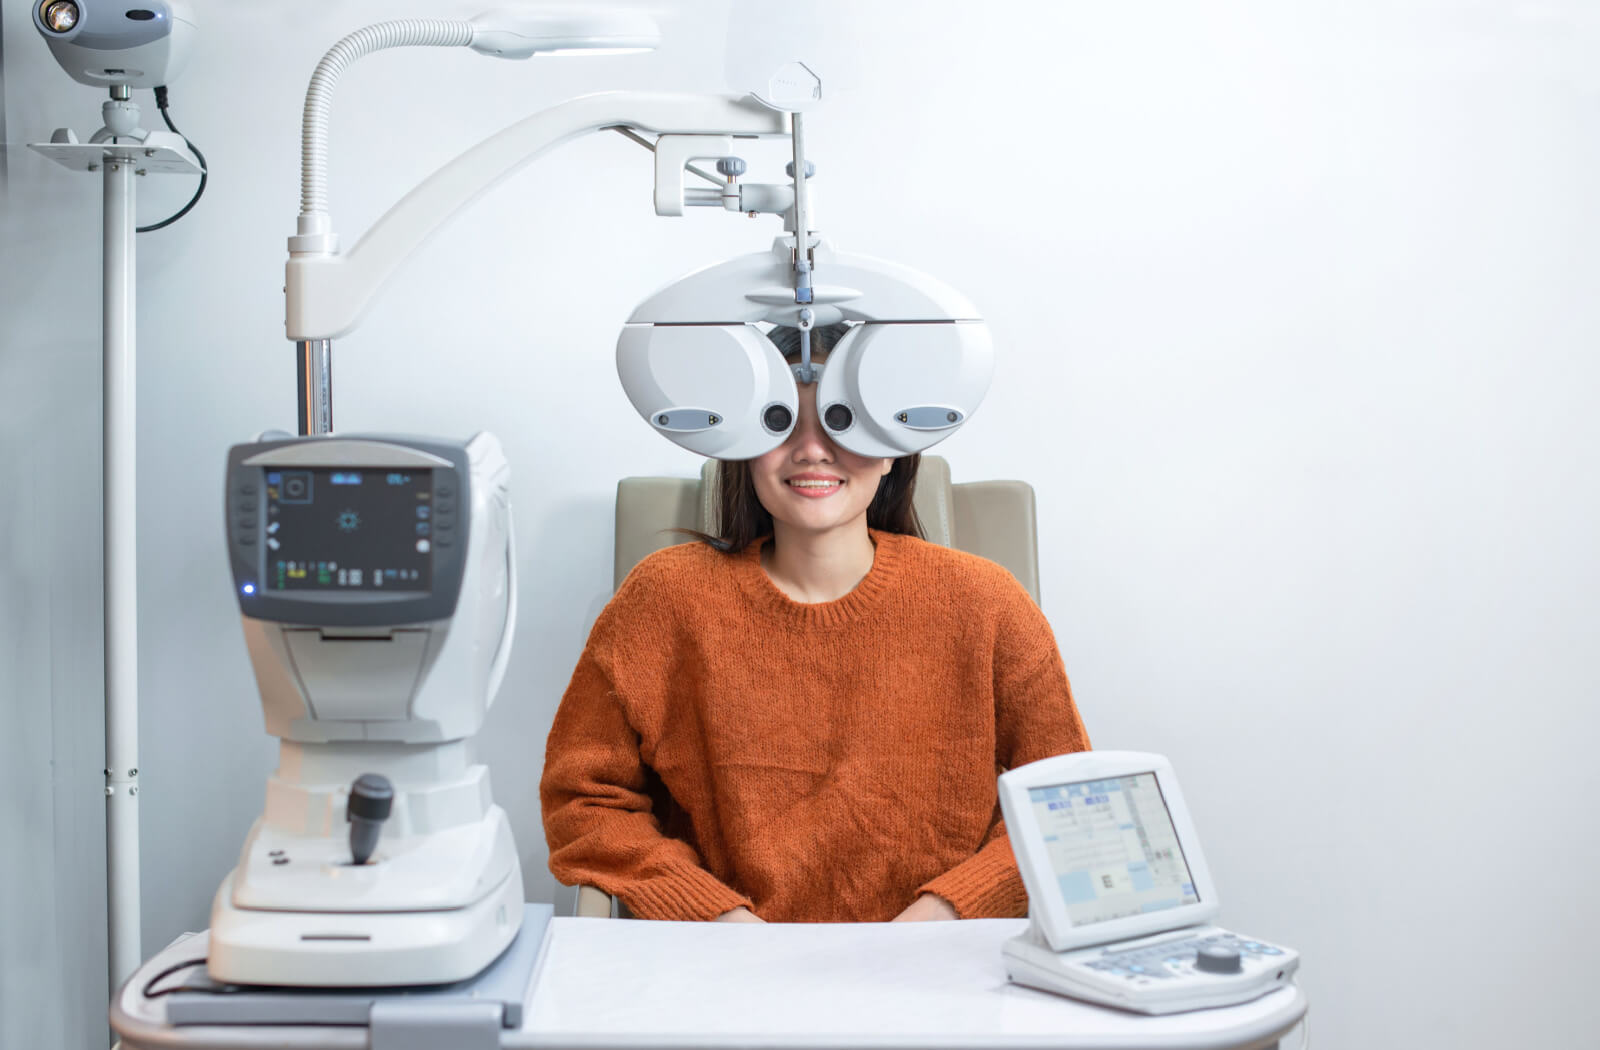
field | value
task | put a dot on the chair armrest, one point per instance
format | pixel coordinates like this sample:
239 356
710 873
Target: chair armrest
595 904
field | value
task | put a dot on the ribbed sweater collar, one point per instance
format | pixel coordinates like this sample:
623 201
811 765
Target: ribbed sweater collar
888 557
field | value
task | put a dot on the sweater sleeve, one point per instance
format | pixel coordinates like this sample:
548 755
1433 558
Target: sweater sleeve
1035 717
597 810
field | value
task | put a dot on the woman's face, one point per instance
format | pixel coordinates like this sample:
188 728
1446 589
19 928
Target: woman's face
811 484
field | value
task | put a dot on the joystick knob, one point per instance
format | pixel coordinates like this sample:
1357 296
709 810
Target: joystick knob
1218 958
371 799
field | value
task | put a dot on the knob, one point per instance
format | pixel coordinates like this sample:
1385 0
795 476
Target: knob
731 166
1218 959
371 799
788 169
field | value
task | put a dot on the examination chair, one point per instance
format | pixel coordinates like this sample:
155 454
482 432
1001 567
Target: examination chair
993 519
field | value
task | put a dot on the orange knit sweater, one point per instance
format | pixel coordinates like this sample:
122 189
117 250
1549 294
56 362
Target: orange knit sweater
721 744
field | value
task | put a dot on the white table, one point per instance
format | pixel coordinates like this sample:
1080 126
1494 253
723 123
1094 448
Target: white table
610 984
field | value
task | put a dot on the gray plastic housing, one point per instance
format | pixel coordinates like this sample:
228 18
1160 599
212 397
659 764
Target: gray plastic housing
244 509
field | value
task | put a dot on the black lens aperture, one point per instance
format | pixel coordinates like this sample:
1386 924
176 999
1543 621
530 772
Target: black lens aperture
777 418
838 417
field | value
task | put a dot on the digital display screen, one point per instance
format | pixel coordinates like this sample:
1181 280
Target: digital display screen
348 529
1113 848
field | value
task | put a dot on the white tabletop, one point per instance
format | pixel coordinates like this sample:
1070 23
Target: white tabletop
611 984
606 983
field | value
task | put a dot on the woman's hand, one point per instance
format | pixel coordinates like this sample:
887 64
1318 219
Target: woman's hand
927 908
739 914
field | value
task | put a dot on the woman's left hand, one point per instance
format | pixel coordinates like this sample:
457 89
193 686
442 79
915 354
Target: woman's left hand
927 908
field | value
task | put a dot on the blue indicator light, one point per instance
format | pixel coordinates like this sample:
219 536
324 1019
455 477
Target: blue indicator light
249 588
274 477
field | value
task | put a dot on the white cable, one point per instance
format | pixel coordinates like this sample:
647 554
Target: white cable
405 32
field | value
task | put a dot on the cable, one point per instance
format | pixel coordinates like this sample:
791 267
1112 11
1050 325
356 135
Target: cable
168 972
161 104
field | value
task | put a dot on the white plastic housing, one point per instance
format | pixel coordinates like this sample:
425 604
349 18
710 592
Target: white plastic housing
327 293
907 386
921 350
328 948
513 33
1046 908
106 47
426 682
708 387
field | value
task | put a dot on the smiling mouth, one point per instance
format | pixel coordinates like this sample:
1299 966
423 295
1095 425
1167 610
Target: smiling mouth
815 487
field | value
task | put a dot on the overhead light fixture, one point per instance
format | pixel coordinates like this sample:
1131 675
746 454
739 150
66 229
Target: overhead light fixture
523 34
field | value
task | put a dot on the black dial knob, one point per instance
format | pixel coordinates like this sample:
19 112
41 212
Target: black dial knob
371 799
1218 959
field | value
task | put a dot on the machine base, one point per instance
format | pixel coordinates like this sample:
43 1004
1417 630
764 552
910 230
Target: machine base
504 986
361 949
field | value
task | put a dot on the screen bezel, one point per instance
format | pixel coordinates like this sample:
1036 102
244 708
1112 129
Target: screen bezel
1046 906
248 465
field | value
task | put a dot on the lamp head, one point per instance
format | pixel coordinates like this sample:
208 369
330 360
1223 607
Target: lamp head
522 34
104 43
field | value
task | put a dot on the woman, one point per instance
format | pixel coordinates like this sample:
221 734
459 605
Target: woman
803 719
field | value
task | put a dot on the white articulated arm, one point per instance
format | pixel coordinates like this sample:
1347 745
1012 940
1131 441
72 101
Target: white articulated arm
327 292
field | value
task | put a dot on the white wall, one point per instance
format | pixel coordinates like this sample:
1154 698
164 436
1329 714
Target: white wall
1296 311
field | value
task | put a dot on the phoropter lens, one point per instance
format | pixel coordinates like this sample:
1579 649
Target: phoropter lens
61 15
777 418
838 417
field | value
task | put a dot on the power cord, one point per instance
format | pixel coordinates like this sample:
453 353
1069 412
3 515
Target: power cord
169 971
161 104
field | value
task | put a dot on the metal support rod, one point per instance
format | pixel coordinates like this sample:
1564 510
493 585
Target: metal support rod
119 467
802 245
315 374
802 221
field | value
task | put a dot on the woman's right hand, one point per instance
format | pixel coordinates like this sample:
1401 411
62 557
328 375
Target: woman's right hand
739 914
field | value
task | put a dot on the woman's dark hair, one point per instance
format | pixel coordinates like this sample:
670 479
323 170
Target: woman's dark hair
740 519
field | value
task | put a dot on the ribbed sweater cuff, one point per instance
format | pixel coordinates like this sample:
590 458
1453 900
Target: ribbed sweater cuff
985 887
687 893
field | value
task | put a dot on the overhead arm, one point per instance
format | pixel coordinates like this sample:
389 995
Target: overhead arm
328 292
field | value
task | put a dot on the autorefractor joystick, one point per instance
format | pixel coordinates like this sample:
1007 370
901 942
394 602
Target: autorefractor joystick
371 798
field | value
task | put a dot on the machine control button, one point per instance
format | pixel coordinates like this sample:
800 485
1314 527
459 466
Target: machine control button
247 489
444 540
445 506
247 538
280 860
247 504
444 490
247 523
1218 958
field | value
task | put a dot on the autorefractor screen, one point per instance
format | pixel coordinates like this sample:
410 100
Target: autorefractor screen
1113 848
349 529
